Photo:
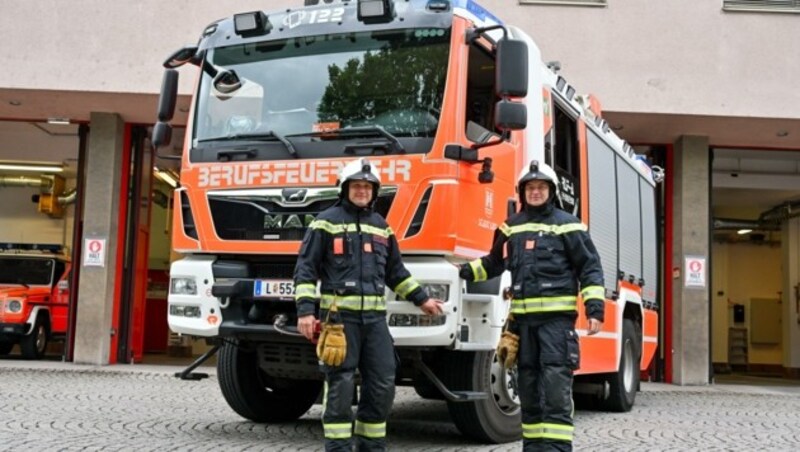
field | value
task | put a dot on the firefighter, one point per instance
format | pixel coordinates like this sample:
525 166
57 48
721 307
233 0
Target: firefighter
551 257
353 252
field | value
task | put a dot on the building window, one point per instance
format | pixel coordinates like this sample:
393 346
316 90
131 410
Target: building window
565 2
767 6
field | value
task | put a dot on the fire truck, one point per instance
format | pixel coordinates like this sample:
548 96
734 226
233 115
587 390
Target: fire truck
449 103
34 297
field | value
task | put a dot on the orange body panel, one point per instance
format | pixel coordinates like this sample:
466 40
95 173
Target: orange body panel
482 205
599 352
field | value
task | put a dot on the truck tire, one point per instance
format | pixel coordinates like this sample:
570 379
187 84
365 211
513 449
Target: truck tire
625 382
425 389
5 348
34 344
492 420
256 396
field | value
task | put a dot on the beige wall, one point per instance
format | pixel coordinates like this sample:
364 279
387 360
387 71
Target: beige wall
20 221
743 272
666 56
671 56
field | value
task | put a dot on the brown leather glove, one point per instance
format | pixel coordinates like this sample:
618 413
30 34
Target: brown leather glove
507 349
332 345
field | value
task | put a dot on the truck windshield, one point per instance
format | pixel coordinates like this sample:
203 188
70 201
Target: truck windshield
30 271
302 86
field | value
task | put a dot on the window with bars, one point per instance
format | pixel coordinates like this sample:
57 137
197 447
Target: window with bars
565 2
770 6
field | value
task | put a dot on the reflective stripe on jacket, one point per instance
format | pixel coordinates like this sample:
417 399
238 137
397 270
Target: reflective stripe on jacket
355 255
550 255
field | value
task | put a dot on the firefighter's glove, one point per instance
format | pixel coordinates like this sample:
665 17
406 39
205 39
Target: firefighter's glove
507 349
332 345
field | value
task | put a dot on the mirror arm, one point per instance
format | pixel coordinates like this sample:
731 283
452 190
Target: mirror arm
475 33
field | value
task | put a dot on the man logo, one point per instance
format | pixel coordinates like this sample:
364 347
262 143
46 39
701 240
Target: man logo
294 195
287 221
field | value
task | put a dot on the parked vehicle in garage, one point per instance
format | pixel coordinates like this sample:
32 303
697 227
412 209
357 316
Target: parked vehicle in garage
34 297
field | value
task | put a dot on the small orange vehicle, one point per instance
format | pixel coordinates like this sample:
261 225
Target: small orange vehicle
34 297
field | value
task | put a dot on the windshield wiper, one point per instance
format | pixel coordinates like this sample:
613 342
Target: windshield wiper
394 144
262 136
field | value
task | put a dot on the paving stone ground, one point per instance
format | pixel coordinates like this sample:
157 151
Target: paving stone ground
53 406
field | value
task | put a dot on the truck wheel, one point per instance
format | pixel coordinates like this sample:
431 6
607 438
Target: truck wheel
624 383
425 389
5 348
492 420
254 395
34 344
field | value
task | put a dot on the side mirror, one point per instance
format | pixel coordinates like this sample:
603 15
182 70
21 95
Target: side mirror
162 134
509 115
181 57
227 81
512 68
456 152
169 95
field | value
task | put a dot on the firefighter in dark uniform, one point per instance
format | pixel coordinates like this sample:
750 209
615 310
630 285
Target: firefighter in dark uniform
551 259
353 252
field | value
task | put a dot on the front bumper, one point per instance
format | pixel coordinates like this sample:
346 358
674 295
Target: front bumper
12 329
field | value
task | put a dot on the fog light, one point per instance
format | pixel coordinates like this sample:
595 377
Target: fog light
183 286
184 311
406 320
403 320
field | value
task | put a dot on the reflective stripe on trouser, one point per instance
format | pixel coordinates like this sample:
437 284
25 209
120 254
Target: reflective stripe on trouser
370 349
354 302
544 304
545 383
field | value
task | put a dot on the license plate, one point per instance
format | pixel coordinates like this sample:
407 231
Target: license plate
273 288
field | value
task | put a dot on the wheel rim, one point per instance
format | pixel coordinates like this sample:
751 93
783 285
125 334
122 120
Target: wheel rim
630 368
41 339
504 387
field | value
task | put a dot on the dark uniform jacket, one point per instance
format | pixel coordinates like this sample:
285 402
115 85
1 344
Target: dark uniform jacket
550 256
355 255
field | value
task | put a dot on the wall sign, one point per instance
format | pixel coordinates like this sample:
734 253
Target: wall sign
694 271
94 252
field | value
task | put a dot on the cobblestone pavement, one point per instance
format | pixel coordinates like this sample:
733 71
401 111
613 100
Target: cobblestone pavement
57 406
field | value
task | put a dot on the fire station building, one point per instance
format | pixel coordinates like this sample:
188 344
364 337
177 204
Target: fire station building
704 89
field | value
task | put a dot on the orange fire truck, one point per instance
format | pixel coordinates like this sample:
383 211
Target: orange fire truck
34 296
450 104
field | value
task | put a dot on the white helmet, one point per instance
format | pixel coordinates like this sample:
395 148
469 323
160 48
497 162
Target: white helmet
537 171
359 169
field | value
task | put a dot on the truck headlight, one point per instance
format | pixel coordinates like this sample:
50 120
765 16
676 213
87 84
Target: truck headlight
440 291
183 286
14 306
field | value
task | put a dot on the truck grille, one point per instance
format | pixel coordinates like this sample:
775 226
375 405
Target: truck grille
272 215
